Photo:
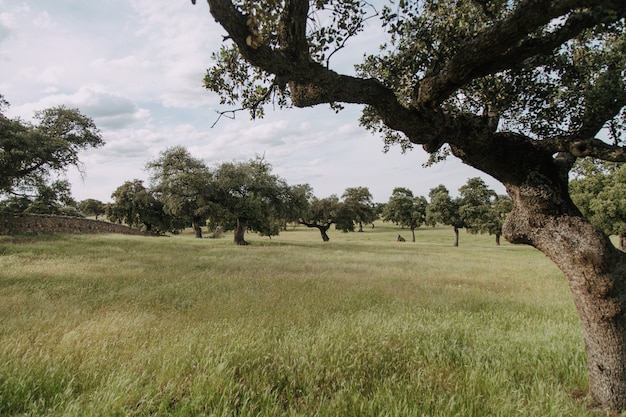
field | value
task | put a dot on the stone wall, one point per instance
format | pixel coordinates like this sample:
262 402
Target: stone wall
45 224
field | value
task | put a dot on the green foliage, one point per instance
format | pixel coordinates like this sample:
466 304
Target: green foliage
181 183
322 211
599 191
551 94
443 209
29 154
248 192
92 207
405 210
134 205
475 208
358 205
48 198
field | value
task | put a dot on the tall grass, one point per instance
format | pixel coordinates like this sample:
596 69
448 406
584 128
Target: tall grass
360 326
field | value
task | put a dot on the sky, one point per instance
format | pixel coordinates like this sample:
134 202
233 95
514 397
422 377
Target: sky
136 67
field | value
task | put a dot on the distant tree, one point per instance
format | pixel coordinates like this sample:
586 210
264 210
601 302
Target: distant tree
344 220
53 198
134 205
599 191
405 210
296 203
247 196
444 209
47 198
482 210
30 153
501 206
475 202
322 213
358 202
181 182
92 207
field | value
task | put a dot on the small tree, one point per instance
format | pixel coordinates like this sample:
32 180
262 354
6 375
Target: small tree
405 210
358 202
246 195
53 198
181 182
134 205
322 213
92 207
501 206
445 210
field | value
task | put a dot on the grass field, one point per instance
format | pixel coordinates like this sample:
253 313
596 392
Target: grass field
111 325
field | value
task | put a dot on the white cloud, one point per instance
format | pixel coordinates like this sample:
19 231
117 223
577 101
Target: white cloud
109 110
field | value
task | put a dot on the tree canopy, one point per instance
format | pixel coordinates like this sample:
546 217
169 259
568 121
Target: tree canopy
246 195
517 89
30 153
405 210
181 183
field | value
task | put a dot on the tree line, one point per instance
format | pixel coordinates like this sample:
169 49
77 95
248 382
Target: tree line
245 196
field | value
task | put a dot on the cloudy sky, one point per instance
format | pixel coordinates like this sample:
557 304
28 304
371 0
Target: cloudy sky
136 68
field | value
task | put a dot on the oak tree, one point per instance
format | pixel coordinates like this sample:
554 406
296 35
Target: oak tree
247 196
405 210
445 209
31 152
359 202
181 183
134 205
518 89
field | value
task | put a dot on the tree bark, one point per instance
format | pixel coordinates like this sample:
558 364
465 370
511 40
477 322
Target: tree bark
240 231
497 239
545 217
323 228
595 271
456 236
197 228
412 234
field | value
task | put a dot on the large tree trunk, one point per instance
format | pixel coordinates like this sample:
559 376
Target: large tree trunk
544 216
240 231
456 236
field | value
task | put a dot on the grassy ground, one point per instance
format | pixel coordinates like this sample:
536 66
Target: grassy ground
112 325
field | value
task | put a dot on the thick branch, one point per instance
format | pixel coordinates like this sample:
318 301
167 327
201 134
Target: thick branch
506 44
292 30
581 148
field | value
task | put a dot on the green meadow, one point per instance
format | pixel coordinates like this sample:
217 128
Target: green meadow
112 325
